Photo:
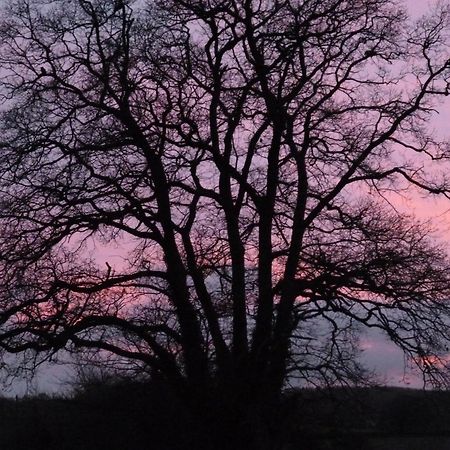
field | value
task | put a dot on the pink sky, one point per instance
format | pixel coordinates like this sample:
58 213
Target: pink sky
378 353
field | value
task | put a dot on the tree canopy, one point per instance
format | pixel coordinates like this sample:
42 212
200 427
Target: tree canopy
206 189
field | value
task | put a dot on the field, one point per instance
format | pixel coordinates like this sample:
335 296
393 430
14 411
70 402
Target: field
370 419
134 418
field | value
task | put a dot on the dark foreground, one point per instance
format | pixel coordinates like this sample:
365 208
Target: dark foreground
137 417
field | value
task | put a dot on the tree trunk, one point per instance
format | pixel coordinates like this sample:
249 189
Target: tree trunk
234 415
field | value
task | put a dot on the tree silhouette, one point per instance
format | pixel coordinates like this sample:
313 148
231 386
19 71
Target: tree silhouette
242 158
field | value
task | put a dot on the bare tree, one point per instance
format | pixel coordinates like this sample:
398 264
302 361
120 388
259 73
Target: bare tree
241 157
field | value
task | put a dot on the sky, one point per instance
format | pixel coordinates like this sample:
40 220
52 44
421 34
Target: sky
378 353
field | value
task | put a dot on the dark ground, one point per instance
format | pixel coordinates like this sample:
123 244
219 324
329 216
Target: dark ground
370 419
138 417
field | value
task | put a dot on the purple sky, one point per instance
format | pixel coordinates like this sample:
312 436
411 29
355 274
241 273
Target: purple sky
388 361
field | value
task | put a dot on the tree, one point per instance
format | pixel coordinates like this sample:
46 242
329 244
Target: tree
242 157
